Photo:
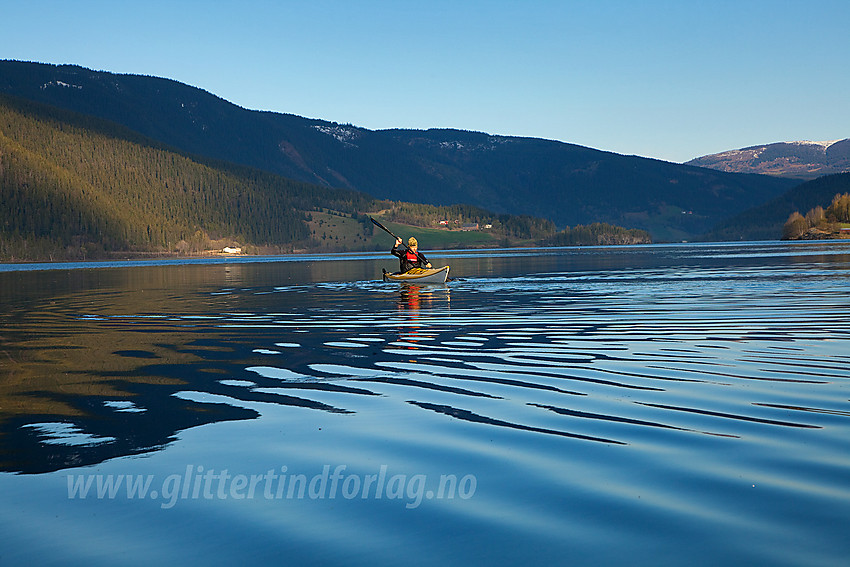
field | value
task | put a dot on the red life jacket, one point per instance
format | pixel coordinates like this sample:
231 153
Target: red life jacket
411 257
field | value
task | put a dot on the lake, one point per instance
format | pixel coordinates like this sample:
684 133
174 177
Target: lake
648 405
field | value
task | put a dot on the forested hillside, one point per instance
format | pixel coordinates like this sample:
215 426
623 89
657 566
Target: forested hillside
564 183
75 186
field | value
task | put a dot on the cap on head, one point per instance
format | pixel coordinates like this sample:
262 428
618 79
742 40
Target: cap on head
412 241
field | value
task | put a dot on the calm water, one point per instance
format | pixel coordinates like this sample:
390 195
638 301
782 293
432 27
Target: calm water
661 405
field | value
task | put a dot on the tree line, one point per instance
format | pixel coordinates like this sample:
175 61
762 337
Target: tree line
818 222
522 227
599 234
515 227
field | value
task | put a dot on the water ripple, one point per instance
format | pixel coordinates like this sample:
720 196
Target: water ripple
644 405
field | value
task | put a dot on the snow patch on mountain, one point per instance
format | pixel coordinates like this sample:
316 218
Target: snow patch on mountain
491 143
344 134
824 144
60 84
805 159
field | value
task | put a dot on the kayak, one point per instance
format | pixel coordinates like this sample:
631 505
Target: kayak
419 275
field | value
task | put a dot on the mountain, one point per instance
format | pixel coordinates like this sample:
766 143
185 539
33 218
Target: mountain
765 221
72 185
77 186
565 183
803 160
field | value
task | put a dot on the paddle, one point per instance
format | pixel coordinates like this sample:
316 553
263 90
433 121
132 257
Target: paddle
397 238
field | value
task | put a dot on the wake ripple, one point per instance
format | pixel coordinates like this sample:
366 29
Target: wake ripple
548 360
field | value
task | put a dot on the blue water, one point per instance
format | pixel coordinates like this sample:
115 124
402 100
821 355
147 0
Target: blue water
654 405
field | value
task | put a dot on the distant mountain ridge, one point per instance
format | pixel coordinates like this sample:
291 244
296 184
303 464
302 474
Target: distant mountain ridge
565 183
802 159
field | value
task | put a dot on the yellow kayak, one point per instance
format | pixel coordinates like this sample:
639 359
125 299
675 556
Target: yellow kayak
419 275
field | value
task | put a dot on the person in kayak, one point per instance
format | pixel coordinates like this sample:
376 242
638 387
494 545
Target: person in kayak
409 257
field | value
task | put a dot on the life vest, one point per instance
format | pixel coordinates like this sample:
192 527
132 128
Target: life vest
411 257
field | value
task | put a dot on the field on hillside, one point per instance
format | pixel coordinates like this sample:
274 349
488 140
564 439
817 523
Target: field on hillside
334 233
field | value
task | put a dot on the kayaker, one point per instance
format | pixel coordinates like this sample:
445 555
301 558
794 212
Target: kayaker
409 257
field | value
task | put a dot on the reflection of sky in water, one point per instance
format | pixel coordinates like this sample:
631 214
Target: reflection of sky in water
672 398
65 434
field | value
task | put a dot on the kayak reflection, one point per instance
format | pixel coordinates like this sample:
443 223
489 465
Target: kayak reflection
415 297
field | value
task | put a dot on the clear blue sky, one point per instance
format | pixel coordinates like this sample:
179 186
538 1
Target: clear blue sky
666 79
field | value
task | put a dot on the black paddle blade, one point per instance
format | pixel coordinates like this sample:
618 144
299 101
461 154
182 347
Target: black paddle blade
382 227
